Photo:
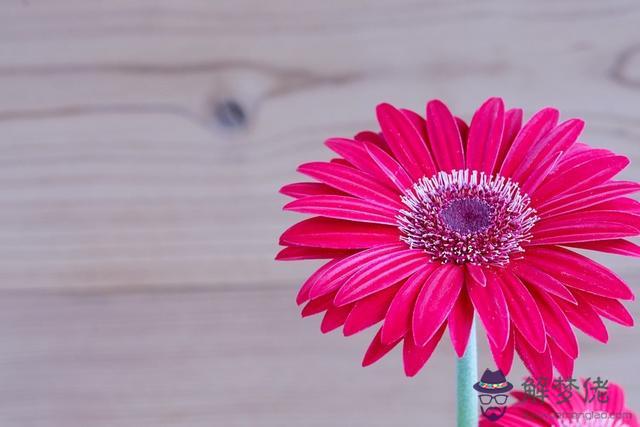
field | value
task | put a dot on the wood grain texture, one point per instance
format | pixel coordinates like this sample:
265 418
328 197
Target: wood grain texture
142 146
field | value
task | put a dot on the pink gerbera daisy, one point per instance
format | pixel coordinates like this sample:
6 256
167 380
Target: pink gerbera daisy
432 220
574 410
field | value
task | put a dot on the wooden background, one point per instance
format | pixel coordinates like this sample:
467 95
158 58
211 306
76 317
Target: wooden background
142 143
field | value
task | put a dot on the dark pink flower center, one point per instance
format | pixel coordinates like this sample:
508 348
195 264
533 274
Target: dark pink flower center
467 217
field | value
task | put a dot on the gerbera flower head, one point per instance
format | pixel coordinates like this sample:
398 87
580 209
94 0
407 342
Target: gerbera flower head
568 410
430 221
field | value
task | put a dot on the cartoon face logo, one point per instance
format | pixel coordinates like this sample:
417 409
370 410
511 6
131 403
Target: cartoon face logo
492 393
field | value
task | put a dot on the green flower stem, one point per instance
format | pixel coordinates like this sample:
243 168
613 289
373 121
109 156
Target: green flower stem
467 372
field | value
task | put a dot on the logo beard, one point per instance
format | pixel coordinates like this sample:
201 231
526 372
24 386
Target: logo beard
493 413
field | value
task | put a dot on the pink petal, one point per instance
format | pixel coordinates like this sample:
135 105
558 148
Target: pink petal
556 324
475 273
317 305
344 207
295 253
562 362
610 308
379 274
524 311
512 125
490 303
398 319
418 122
321 232
588 174
578 271
435 301
614 246
463 128
374 138
377 350
585 226
444 136
539 125
335 275
405 142
539 364
460 320
583 199
352 181
356 154
304 189
485 136
503 357
556 141
334 318
583 317
414 356
369 311
541 280
390 168
303 294
539 173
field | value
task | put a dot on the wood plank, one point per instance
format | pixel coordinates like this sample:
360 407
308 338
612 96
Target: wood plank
116 170
206 357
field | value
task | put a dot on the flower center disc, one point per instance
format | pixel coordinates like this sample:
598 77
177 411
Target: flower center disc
467 217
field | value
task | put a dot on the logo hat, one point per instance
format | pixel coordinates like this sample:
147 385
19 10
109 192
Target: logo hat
493 382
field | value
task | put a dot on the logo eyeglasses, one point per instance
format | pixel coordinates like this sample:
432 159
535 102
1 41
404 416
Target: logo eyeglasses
486 399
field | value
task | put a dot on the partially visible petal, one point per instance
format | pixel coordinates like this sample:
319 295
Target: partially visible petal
503 357
304 189
295 253
444 137
388 166
405 141
369 311
334 317
580 200
336 274
537 126
344 207
485 136
556 141
512 125
541 280
373 138
588 174
539 364
475 273
352 181
380 274
414 356
614 246
585 226
398 319
460 321
524 311
303 294
583 317
578 271
556 324
435 301
562 361
330 233
610 308
377 350
492 309
356 154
